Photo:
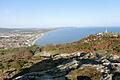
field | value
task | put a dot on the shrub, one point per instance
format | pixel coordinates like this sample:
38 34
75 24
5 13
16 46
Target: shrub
16 65
22 62
6 65
33 49
1 66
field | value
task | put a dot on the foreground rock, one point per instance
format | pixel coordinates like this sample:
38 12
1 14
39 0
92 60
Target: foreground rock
60 67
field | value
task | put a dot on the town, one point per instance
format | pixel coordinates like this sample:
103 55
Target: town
15 39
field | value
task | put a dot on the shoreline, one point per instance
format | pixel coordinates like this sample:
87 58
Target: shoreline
38 37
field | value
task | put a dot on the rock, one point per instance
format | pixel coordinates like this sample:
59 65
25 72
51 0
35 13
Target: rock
68 66
83 78
46 54
114 58
78 54
64 55
52 74
105 64
116 76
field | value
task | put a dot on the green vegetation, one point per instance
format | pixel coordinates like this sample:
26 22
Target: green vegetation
87 71
117 48
16 59
33 49
1 66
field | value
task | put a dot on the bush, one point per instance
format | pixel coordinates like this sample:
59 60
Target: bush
22 62
117 48
6 65
1 66
33 49
16 65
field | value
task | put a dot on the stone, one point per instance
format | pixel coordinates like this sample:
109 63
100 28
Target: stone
83 78
116 76
107 65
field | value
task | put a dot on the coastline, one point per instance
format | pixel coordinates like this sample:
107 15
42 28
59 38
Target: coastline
37 37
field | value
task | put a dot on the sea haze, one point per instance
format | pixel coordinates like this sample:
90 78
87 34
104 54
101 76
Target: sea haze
67 35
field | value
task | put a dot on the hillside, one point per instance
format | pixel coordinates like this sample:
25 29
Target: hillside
109 42
96 57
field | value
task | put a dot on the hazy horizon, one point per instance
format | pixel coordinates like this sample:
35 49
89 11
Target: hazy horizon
59 13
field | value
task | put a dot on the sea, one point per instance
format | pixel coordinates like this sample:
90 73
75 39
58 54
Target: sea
71 34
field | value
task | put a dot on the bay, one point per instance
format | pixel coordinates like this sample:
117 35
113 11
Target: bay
71 34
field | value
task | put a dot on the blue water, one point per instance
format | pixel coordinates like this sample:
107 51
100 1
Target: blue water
67 35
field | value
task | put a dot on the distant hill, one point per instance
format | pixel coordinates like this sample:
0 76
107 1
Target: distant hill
5 30
24 29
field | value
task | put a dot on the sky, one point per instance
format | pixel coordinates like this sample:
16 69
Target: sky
59 13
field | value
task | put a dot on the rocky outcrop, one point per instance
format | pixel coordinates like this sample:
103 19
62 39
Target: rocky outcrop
107 64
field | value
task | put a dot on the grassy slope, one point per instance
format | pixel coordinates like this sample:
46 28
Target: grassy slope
92 43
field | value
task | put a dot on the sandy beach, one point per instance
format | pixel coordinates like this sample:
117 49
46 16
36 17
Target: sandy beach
37 37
